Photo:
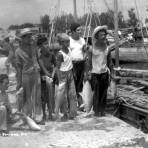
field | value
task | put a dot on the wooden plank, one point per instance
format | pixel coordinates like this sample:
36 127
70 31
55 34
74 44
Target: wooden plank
142 82
145 111
136 89
131 70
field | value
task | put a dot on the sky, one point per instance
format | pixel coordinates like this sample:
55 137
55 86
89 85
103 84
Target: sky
13 12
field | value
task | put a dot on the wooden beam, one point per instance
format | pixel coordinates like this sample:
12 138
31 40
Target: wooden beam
116 33
136 73
75 10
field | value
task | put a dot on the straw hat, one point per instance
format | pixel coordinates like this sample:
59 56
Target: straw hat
99 28
25 31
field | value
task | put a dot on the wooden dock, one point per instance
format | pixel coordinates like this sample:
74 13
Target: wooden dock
90 132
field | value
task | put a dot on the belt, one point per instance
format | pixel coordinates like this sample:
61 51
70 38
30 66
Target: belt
78 61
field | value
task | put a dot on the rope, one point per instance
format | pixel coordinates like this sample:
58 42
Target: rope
109 10
121 99
86 25
141 28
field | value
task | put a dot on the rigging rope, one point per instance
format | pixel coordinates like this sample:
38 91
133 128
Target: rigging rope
141 27
109 10
56 12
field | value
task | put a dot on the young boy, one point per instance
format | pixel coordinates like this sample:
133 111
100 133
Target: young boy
47 64
5 108
66 93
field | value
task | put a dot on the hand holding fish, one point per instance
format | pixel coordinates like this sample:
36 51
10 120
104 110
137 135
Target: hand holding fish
87 76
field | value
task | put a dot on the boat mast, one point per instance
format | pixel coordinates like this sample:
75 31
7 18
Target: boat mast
116 33
75 10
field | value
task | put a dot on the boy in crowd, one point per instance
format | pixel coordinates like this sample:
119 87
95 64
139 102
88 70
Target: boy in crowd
66 93
47 64
5 108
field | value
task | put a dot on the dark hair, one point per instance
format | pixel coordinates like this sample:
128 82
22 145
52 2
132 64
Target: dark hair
2 77
41 40
74 26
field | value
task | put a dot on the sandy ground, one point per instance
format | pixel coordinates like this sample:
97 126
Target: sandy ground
83 132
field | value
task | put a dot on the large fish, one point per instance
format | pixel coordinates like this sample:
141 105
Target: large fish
59 97
87 96
27 120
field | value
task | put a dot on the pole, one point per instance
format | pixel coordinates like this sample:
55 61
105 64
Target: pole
75 10
113 81
116 33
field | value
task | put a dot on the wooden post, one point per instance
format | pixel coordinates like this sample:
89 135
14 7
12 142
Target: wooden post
75 10
113 81
116 33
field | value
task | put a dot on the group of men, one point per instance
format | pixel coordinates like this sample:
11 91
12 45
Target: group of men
57 79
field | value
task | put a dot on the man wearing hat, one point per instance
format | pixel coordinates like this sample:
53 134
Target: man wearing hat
99 60
28 74
66 93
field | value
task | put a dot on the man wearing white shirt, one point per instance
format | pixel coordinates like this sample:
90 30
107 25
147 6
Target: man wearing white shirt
77 44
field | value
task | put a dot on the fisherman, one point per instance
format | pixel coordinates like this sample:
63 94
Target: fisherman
5 108
66 93
47 64
99 66
29 74
77 47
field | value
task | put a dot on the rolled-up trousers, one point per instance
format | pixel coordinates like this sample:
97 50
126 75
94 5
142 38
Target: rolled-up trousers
99 83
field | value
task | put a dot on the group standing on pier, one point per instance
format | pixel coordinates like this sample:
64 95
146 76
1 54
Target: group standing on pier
56 78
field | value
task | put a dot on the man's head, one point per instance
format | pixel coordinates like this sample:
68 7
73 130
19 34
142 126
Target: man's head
100 33
63 39
4 82
76 30
42 42
26 36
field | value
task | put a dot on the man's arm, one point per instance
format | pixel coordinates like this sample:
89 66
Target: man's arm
19 71
41 63
88 64
112 46
59 60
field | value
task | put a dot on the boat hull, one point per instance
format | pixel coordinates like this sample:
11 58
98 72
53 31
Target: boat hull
132 54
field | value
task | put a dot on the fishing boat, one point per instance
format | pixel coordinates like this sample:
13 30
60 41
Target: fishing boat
134 54
134 51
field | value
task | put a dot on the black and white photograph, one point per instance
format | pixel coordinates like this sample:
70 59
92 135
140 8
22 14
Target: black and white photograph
73 74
